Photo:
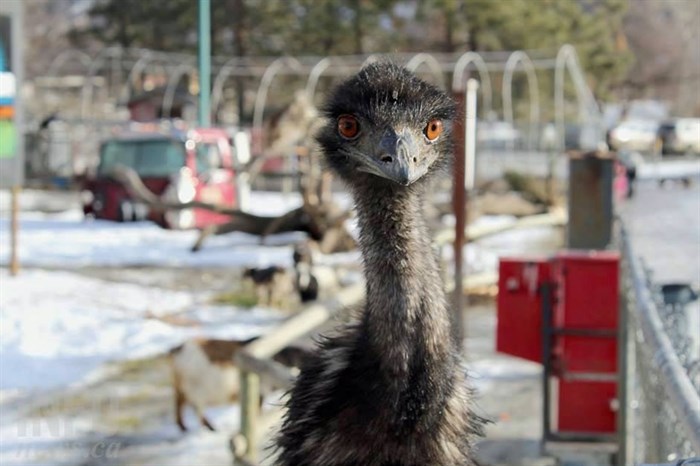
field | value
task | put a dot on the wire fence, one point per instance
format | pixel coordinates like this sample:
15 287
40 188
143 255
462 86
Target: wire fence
663 384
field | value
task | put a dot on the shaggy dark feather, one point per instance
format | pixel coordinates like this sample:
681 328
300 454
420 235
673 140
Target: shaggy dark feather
388 390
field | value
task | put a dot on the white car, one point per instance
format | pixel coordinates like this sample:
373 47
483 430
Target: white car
637 135
687 135
497 135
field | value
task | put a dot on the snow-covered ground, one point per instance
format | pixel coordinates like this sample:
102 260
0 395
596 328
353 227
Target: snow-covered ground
61 330
58 331
58 326
65 239
657 169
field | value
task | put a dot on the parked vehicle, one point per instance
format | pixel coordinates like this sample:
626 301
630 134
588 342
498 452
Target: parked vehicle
178 165
679 136
497 135
639 135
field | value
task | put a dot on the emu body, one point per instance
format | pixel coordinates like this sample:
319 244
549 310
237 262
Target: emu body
389 389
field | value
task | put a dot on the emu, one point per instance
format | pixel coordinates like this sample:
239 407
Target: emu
388 389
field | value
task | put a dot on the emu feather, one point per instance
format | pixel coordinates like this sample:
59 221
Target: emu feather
389 389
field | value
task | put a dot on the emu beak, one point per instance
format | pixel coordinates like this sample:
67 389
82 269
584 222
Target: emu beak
398 159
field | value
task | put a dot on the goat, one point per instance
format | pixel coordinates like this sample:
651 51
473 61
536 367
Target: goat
205 374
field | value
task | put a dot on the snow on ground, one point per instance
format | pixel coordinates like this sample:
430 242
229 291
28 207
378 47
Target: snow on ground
65 239
655 169
57 332
57 327
66 242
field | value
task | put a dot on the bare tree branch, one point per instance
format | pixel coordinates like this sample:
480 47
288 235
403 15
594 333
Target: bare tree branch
316 221
133 183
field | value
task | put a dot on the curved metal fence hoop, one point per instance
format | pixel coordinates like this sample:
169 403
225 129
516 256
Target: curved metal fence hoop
374 58
67 56
138 68
458 81
227 69
97 63
567 59
516 58
316 72
265 82
431 62
170 89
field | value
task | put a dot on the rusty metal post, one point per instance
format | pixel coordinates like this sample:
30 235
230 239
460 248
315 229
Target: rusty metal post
14 230
459 204
590 201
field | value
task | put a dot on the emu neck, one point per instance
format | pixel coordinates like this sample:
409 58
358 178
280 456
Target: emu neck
406 315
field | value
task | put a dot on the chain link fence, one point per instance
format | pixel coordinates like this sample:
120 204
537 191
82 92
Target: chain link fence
663 366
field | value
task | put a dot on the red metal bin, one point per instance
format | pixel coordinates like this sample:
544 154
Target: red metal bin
563 312
585 321
519 302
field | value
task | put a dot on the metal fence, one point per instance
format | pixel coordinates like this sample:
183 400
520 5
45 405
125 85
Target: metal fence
663 370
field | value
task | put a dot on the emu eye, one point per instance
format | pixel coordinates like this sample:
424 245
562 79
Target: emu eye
348 126
433 129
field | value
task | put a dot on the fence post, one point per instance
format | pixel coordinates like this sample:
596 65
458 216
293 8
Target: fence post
250 410
590 201
622 368
459 203
204 46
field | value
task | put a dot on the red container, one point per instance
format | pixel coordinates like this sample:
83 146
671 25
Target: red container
586 310
585 303
519 304
586 407
587 289
585 344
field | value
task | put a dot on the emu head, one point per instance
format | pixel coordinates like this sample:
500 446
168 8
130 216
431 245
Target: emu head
385 125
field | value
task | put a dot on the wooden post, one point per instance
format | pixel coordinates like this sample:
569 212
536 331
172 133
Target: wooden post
14 230
590 199
468 163
250 410
459 200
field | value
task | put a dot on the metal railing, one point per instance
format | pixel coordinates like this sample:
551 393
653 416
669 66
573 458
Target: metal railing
663 388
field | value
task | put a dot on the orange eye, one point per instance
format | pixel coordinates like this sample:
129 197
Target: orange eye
433 129
348 126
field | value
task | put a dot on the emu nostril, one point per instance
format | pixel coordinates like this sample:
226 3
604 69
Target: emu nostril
387 159
415 160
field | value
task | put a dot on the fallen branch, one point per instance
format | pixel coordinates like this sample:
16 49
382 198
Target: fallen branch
134 185
316 221
295 220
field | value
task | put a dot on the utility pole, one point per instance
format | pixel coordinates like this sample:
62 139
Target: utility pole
204 62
